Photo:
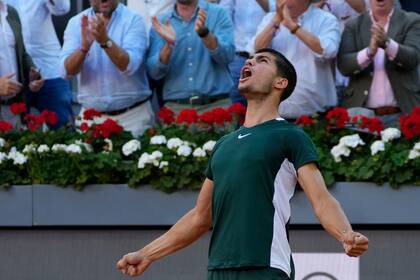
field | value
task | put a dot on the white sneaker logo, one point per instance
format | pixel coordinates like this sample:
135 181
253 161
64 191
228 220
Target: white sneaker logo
240 136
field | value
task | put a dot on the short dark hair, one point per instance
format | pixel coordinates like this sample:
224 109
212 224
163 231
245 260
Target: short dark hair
285 69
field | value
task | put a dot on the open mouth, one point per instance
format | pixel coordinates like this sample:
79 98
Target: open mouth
246 73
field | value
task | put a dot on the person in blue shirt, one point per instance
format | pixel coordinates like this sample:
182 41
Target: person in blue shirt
105 47
190 49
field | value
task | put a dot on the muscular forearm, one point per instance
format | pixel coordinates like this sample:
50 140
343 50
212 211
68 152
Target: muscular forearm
357 5
210 41
165 54
332 217
74 62
187 230
309 40
264 5
118 56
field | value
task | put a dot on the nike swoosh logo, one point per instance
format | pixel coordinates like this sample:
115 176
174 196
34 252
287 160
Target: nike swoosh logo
243 136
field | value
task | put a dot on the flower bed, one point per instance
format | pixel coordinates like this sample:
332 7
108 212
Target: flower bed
174 155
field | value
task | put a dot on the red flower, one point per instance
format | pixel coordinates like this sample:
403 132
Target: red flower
305 120
33 122
84 127
238 109
18 108
410 124
50 118
338 117
372 124
106 129
188 116
90 113
221 116
166 115
5 126
33 126
207 117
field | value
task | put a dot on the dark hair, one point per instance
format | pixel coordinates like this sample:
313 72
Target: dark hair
285 69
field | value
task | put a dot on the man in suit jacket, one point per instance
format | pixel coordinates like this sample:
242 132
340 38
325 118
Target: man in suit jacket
17 70
380 52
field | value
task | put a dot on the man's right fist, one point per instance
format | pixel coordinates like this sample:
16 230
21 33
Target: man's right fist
133 264
9 87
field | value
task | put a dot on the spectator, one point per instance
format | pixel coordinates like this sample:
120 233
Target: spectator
343 10
107 54
309 38
149 8
191 51
42 44
241 11
380 52
17 71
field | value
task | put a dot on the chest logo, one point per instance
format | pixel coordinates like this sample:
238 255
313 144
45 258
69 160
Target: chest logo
240 136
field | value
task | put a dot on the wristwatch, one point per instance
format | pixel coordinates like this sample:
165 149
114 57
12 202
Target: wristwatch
107 44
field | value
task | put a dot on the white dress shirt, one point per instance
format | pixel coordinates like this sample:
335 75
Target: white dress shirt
149 8
40 38
315 90
246 16
101 85
8 59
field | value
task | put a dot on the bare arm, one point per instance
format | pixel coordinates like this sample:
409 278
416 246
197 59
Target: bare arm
310 40
118 56
187 230
75 61
329 211
264 5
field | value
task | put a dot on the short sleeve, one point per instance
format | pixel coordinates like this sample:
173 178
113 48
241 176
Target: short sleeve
301 149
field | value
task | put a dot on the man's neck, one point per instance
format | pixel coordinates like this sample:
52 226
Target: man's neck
186 11
259 111
381 17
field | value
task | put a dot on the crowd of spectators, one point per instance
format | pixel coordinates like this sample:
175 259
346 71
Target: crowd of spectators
360 54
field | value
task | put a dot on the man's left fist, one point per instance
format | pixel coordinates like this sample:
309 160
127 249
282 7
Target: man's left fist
200 23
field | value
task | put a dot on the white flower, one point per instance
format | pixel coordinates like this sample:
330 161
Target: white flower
43 149
377 146
143 160
87 146
163 164
158 140
174 143
2 142
109 147
413 154
351 141
3 157
199 153
131 146
31 148
184 150
73 149
340 150
17 157
209 146
157 155
390 134
59 147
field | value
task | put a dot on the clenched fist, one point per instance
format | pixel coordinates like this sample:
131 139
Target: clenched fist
133 264
355 243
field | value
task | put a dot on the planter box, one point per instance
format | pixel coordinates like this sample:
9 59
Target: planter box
119 205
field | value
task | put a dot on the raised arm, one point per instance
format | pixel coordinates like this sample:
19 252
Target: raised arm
329 211
187 230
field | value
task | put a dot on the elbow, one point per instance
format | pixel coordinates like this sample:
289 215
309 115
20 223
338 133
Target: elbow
325 205
202 221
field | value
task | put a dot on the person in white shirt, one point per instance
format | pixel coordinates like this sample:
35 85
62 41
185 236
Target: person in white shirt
150 8
309 37
17 71
42 44
105 46
246 16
